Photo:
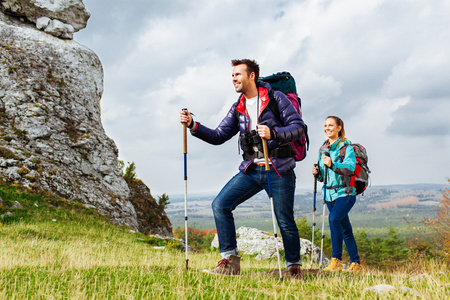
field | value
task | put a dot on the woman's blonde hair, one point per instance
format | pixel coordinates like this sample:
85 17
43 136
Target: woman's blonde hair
339 122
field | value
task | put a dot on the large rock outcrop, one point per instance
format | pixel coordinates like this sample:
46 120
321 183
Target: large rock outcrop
51 135
60 18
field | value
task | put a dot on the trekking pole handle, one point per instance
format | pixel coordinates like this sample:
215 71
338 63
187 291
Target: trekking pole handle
185 139
326 169
315 179
266 150
185 135
266 154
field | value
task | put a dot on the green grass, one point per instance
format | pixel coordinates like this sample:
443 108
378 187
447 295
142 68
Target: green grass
61 250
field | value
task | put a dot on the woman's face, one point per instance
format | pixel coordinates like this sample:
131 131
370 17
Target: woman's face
331 129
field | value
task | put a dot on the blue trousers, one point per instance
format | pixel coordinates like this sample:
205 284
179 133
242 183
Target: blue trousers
341 228
242 187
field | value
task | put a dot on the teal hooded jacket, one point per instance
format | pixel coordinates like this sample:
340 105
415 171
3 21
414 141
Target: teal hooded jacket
340 172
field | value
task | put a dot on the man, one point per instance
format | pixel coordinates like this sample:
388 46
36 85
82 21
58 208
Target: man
252 118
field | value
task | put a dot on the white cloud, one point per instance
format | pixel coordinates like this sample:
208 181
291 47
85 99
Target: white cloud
425 73
383 66
319 88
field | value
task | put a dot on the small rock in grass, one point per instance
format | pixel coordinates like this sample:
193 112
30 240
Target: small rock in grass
417 277
407 290
381 288
16 204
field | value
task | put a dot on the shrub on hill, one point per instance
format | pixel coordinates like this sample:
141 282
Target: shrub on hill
382 253
305 232
198 240
151 215
435 239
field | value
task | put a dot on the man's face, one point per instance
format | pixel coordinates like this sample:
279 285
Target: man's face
242 81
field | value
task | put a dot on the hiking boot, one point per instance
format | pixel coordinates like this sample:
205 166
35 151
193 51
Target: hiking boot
295 272
355 268
334 266
230 266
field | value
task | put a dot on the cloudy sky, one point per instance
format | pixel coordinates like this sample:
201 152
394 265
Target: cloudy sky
383 66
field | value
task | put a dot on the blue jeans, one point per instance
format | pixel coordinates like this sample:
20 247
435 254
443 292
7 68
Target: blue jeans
341 228
242 187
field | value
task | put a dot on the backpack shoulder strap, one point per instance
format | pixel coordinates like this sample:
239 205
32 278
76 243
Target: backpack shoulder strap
273 106
342 153
345 178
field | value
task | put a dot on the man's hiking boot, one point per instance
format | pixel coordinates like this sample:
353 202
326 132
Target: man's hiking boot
334 266
295 272
230 266
355 268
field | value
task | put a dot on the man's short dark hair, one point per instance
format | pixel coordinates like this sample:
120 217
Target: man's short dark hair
252 66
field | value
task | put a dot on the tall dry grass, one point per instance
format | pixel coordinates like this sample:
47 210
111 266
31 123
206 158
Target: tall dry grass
120 265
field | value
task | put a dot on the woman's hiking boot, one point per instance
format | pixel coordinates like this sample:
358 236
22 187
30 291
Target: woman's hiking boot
355 268
334 266
230 266
295 272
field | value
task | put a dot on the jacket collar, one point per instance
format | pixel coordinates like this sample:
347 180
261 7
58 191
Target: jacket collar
336 145
263 94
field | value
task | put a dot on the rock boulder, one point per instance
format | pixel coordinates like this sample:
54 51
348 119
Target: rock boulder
51 134
254 241
62 17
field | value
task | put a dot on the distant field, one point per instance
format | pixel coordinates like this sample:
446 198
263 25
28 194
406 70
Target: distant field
376 211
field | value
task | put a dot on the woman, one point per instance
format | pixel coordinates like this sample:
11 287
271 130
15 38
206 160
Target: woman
340 197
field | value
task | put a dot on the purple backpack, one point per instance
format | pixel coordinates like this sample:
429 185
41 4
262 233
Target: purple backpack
285 83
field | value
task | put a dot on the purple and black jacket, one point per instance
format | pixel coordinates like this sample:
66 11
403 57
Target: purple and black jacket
291 127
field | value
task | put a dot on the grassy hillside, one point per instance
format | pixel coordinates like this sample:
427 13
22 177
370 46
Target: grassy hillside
53 249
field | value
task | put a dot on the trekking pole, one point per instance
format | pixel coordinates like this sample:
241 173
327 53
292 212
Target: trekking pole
314 215
266 158
323 212
185 190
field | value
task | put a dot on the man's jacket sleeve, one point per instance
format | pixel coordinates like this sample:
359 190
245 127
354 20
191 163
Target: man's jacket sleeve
227 128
